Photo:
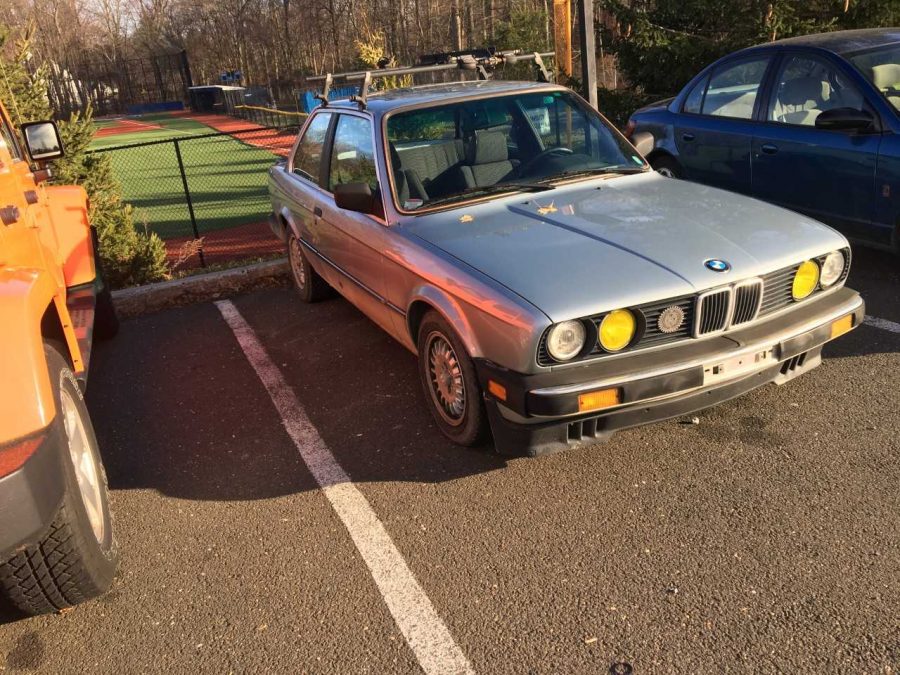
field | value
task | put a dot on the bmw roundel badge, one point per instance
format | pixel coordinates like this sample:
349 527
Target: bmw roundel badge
717 265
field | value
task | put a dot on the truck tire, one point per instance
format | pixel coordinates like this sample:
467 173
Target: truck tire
452 392
75 559
106 320
310 286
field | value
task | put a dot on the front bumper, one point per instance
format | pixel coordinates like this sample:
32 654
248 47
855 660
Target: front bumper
540 412
31 495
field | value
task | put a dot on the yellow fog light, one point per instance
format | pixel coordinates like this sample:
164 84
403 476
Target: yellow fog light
805 280
595 400
841 326
617 330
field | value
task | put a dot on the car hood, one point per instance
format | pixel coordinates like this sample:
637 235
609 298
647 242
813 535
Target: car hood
593 246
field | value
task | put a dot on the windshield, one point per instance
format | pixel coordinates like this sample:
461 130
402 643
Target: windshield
445 154
882 67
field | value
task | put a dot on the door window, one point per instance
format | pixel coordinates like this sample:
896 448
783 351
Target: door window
308 157
8 139
732 89
806 87
353 154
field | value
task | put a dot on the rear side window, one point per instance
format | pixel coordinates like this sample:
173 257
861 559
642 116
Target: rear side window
695 99
308 158
353 154
733 89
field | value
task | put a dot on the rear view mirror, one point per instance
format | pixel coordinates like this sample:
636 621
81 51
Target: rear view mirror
42 141
845 119
355 197
643 142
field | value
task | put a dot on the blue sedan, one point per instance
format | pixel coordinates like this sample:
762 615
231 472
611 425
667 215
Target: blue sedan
810 123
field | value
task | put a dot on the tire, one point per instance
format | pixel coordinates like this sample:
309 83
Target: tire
309 285
463 421
667 166
74 560
106 320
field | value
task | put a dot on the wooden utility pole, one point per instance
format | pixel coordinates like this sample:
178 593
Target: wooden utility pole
562 36
455 26
588 50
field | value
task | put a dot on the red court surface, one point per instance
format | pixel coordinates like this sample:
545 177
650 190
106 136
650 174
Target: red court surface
253 240
276 141
125 126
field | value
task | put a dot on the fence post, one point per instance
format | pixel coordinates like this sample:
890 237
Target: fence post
190 203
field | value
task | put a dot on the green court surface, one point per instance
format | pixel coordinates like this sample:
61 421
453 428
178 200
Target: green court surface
226 178
172 127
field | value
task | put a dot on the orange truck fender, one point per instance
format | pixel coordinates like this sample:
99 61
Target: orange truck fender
67 207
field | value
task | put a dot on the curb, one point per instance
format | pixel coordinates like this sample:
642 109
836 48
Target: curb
199 288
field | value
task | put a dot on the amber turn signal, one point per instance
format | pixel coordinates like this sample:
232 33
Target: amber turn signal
595 400
497 390
841 326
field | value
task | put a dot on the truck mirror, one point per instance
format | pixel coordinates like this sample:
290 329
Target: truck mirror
42 140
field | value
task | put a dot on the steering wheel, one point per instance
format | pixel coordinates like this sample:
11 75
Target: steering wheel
530 164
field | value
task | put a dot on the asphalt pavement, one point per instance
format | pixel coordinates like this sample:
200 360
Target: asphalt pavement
766 538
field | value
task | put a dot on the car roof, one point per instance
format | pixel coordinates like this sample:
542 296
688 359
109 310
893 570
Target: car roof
843 41
383 101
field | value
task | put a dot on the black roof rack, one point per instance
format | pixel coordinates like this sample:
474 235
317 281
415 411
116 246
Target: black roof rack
483 61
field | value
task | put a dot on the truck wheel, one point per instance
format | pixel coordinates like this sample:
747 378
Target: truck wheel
106 321
310 286
667 166
75 560
452 392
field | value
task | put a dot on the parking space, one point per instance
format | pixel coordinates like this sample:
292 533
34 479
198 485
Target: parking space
765 538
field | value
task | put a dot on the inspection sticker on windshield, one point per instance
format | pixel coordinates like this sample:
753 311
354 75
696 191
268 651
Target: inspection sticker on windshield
736 366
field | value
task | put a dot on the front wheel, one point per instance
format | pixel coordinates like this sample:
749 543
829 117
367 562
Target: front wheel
667 166
451 387
76 557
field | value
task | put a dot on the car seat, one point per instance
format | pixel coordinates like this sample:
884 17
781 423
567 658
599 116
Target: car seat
801 100
487 160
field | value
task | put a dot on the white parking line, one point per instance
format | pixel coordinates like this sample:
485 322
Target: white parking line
883 324
425 632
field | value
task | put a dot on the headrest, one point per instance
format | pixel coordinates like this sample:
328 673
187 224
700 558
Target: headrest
886 76
487 147
395 157
804 91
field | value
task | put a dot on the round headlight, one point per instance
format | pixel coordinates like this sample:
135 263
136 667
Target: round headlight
617 330
832 268
565 340
805 280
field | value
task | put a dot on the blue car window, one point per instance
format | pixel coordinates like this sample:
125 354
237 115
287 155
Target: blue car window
882 68
694 100
732 89
806 87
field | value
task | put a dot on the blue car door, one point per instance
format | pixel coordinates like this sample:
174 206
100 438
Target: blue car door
826 174
714 131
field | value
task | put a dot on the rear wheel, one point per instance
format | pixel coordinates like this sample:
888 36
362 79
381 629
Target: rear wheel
310 286
75 560
667 166
451 386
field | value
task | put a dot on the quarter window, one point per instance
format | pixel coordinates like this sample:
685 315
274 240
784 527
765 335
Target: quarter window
732 90
695 99
806 87
353 154
308 157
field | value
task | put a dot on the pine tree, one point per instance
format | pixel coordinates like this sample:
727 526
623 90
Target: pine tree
128 255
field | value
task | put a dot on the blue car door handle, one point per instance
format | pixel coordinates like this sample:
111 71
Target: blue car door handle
687 137
769 149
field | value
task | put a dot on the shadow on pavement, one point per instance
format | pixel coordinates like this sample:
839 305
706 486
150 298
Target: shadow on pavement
177 407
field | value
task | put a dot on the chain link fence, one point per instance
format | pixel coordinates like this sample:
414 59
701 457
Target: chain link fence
205 195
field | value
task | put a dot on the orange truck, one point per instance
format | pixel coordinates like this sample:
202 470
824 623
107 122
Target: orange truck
57 546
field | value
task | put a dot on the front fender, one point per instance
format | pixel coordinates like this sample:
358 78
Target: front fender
68 210
448 307
26 397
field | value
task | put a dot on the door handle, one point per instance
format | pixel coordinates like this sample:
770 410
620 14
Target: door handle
769 148
317 212
687 137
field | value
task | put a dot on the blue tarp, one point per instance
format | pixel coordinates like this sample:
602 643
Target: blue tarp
162 106
306 99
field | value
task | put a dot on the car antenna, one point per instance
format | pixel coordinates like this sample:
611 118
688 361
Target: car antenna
329 80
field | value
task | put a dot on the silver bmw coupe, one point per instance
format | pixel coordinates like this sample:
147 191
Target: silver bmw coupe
553 286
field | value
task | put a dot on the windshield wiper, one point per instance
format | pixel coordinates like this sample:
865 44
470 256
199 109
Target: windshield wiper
621 169
490 189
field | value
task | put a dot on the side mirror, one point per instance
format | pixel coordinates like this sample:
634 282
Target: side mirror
845 119
42 141
355 197
643 142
